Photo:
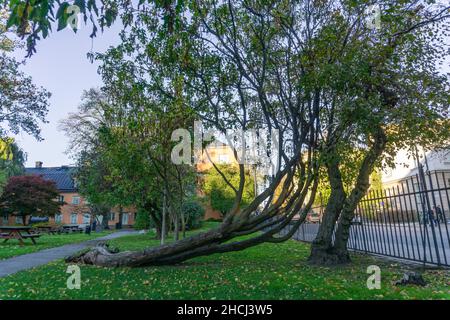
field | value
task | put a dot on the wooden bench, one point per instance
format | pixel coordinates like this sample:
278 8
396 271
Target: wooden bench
48 230
31 236
19 233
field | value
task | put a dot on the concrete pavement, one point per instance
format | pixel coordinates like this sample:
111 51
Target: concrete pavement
31 260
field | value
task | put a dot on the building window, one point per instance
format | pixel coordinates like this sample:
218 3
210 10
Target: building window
86 218
58 218
73 218
19 220
60 199
75 200
125 218
112 216
5 218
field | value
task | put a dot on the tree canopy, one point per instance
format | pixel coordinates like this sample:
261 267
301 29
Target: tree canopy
220 194
28 195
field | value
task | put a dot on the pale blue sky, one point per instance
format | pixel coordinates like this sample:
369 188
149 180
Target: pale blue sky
61 66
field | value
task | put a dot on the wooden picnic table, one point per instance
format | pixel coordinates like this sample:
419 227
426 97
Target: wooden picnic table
17 232
71 228
47 229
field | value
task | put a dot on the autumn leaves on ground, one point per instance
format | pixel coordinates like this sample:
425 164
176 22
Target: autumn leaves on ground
268 271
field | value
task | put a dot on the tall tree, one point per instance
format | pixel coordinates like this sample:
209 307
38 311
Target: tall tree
377 109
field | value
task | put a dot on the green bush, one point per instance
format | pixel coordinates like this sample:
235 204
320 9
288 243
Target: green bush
194 212
142 220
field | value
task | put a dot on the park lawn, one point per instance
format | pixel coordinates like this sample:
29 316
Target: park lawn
45 241
268 271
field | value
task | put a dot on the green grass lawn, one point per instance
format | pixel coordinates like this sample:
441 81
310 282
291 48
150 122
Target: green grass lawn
268 271
12 247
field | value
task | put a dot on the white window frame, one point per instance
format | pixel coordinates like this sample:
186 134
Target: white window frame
77 202
72 215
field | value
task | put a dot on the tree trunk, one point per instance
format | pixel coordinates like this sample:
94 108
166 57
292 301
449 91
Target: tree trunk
164 217
24 220
158 225
358 192
322 246
176 227
105 221
238 222
183 224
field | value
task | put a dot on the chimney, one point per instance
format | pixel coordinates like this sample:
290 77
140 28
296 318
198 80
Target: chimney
38 164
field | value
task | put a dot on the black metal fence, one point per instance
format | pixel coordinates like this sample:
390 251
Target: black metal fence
409 220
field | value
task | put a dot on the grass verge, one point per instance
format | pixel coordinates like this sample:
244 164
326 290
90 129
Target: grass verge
12 247
268 271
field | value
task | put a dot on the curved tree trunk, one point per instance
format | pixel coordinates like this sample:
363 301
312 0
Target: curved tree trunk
238 222
341 208
322 247
358 192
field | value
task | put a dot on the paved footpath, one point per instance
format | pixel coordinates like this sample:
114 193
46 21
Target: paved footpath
36 259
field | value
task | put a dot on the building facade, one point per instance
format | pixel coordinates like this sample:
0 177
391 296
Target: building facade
75 208
430 189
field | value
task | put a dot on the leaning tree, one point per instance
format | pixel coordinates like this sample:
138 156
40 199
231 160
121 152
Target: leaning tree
241 65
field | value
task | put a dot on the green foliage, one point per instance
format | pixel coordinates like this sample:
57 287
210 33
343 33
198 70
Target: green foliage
219 192
376 183
23 105
142 221
194 213
12 160
220 199
33 19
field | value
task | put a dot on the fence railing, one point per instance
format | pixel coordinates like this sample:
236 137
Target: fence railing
409 220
